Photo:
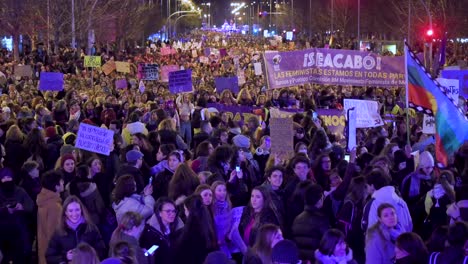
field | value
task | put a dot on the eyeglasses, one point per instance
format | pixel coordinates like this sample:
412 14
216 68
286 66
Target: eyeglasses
170 211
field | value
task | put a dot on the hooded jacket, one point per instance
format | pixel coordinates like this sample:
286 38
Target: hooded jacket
387 194
142 205
133 128
49 206
324 259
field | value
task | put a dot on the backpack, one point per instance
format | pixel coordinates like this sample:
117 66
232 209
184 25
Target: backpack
365 215
435 255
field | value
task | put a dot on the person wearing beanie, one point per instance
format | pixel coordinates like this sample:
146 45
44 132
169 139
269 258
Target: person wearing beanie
67 167
245 158
16 208
309 226
416 185
133 167
285 252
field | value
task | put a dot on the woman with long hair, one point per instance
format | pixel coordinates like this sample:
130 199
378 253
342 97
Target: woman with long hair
205 193
198 237
162 229
167 131
37 149
161 182
268 236
381 237
17 154
350 215
183 183
257 213
84 254
67 166
333 249
222 215
203 151
141 140
75 226
125 198
410 249
124 253
129 230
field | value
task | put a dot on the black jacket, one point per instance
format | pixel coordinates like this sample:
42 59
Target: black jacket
161 184
60 244
267 216
307 231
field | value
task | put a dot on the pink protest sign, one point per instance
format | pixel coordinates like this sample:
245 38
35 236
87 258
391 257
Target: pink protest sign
165 70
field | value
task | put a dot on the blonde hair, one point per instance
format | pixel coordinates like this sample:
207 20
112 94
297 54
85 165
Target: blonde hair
167 124
84 254
14 133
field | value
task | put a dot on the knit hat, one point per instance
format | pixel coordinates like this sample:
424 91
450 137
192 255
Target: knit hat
133 155
50 132
426 160
241 141
217 257
5 172
66 149
285 252
65 158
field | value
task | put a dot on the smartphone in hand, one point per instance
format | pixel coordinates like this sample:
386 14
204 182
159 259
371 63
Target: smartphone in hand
151 250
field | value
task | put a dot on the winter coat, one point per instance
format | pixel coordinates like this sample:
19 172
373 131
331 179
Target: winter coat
60 244
49 209
266 216
142 205
133 128
380 244
16 155
307 231
92 200
324 259
458 211
277 198
222 217
387 194
152 235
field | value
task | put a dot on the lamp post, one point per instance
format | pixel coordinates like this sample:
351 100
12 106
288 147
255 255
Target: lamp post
359 25
428 11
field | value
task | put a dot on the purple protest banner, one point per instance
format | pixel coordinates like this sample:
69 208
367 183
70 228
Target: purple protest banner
121 84
180 81
207 52
223 52
332 66
237 113
333 119
148 72
165 70
51 81
227 83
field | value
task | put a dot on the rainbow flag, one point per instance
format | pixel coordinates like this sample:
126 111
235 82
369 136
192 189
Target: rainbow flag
426 95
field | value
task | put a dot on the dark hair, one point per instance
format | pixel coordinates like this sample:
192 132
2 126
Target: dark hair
413 245
158 207
272 169
330 239
184 182
383 207
82 171
262 246
200 222
51 179
166 149
124 187
222 153
300 159
267 203
124 252
437 240
378 178
203 149
313 194
457 234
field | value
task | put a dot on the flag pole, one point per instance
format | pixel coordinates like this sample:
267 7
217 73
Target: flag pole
406 94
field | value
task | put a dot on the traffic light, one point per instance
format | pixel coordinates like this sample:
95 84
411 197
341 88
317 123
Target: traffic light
429 32
260 14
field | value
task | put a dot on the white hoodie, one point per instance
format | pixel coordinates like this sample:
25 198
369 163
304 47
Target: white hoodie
387 194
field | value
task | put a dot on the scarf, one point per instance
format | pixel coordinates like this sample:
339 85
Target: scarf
415 183
74 226
324 259
391 234
220 207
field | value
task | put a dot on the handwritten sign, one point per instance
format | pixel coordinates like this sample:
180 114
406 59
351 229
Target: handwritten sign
282 133
429 125
122 66
367 112
51 81
258 68
109 67
452 88
352 130
227 83
165 70
92 61
94 139
180 81
148 72
121 84
23 70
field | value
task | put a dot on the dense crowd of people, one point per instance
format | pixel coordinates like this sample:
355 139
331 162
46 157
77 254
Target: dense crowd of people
185 184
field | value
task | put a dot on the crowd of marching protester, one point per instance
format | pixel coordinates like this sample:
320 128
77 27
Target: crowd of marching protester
186 183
